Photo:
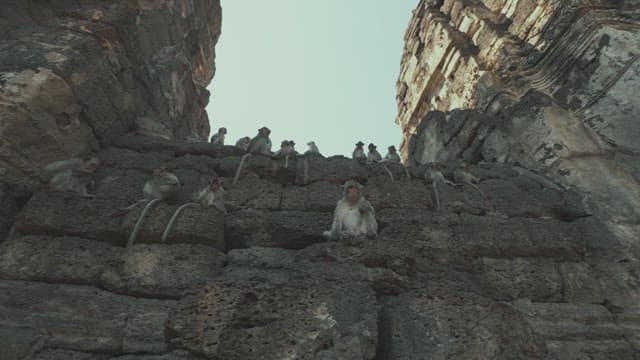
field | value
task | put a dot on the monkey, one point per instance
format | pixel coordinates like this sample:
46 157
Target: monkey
434 176
353 216
392 156
373 156
358 153
261 144
162 186
243 143
218 139
463 175
210 195
313 149
72 174
286 149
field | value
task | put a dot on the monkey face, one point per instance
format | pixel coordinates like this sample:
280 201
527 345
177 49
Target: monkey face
214 185
353 194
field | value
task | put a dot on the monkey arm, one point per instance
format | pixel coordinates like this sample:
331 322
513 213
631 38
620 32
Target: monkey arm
368 218
336 226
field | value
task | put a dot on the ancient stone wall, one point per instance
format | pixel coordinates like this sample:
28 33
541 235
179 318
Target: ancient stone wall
74 73
550 85
513 269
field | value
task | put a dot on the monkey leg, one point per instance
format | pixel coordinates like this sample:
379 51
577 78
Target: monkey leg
388 172
136 228
173 219
244 158
306 171
435 193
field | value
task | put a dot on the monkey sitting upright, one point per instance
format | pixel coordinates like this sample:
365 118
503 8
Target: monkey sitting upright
358 153
218 138
313 149
243 143
373 156
392 155
261 144
162 186
353 216
73 174
210 195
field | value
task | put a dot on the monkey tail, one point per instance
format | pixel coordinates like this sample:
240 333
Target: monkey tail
406 171
286 161
478 190
244 158
136 228
173 219
388 172
435 192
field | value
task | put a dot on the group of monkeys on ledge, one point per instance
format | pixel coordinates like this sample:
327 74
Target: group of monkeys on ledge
353 216
261 145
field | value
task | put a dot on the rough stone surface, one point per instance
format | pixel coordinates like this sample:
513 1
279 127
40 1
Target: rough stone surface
8 208
80 318
149 270
75 73
547 85
538 261
324 321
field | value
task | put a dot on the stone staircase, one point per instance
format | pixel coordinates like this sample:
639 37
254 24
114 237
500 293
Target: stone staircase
526 274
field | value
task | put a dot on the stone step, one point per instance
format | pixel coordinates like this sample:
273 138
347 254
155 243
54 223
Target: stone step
157 271
34 316
572 322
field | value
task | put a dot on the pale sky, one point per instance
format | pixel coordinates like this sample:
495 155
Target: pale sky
310 70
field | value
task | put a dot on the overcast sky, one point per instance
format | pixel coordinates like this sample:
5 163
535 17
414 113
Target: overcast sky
310 70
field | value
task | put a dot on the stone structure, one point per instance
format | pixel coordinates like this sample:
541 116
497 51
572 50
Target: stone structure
526 273
550 85
73 74
517 268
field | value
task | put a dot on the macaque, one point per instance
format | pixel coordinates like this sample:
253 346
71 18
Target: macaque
313 149
434 176
73 174
210 195
392 155
463 175
373 156
162 186
286 149
243 143
353 216
218 139
261 144
358 153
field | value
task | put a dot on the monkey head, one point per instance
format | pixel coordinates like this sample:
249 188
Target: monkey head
215 183
264 131
372 147
359 144
352 191
159 171
222 130
284 143
392 149
89 164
